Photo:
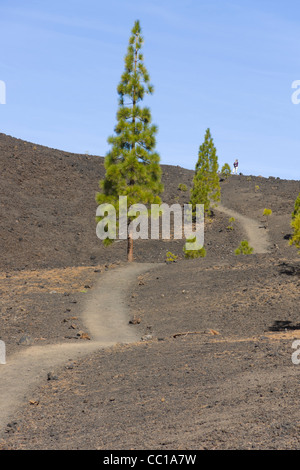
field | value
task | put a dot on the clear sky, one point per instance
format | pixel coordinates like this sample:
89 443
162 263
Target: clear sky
226 65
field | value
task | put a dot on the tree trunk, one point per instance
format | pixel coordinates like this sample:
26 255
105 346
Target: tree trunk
129 247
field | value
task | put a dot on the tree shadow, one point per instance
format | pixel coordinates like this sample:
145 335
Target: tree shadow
284 325
289 269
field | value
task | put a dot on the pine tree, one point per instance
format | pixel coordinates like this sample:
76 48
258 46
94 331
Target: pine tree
132 165
295 224
295 240
206 185
296 207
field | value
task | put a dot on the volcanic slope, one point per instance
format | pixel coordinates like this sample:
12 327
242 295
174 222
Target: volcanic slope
212 368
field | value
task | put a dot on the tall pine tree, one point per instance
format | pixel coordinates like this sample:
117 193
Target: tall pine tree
132 165
206 186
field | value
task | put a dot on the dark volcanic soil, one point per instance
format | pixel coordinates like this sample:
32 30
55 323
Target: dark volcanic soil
216 370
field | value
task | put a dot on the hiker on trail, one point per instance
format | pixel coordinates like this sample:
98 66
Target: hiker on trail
235 167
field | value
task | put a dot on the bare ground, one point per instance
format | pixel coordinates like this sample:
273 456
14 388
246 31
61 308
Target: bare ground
214 368
105 317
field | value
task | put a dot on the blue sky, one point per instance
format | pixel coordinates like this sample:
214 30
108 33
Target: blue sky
226 65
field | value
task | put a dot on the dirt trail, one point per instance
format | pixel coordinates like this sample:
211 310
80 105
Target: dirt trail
257 237
106 317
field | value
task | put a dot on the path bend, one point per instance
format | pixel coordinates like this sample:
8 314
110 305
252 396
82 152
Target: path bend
257 237
106 317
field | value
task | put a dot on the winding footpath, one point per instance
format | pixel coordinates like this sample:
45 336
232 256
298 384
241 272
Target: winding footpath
257 237
106 317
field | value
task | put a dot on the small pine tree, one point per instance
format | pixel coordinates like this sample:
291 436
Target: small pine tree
267 213
132 166
226 170
206 185
244 248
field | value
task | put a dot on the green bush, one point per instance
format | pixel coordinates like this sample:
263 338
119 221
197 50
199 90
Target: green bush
230 226
182 187
267 212
170 257
244 248
191 254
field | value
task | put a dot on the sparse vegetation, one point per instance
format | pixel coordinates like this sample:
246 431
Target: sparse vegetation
244 248
178 307
182 187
